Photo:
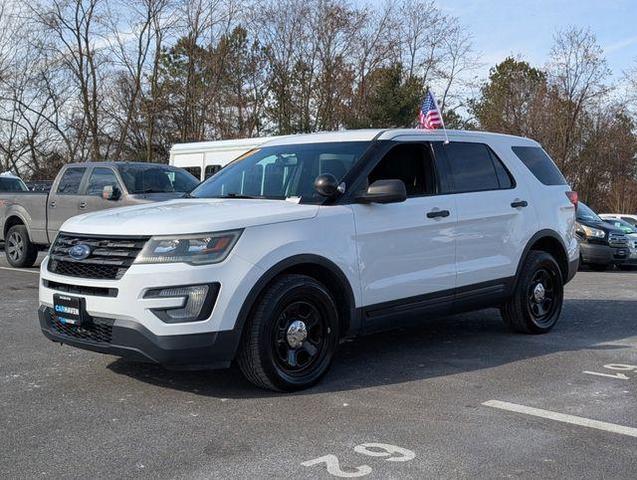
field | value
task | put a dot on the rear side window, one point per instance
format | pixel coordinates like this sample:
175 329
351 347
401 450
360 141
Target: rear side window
211 170
70 182
540 165
194 171
474 167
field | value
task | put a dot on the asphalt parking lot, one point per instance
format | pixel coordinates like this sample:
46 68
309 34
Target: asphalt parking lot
456 398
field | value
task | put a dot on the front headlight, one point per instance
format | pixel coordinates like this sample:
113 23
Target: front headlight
198 249
593 232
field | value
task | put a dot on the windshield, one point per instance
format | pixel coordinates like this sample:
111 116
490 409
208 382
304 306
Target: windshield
152 178
621 224
586 214
12 184
282 171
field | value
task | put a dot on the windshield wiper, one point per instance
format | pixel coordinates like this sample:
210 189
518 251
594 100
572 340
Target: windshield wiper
238 195
153 190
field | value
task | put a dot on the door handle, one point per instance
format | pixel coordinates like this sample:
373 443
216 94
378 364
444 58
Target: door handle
82 205
52 204
438 214
520 204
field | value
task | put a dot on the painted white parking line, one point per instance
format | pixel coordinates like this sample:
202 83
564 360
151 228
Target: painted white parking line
21 270
561 417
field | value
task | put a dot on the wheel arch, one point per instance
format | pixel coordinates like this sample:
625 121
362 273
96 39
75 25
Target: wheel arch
315 266
12 220
551 242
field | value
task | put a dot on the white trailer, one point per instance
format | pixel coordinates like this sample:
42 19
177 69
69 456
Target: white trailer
204 159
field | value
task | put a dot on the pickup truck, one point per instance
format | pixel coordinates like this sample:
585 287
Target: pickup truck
30 221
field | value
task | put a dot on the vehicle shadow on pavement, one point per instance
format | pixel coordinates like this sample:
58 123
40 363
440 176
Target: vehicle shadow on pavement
436 348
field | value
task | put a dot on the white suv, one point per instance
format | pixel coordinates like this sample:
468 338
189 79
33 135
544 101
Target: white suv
312 238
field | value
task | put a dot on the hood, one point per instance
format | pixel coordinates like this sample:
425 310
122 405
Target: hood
607 227
186 216
155 197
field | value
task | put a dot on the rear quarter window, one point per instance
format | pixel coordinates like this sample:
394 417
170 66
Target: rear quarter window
540 165
475 168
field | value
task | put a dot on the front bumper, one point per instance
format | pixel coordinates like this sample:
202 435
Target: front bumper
125 299
133 341
127 326
599 254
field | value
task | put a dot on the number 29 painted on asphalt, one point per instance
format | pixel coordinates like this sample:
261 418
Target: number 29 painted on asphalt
390 453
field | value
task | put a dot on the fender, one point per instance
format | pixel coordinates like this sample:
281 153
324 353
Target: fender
539 235
15 211
290 262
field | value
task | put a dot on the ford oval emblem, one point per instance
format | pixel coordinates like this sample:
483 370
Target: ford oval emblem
80 251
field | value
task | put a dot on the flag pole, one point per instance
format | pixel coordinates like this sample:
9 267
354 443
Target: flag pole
442 120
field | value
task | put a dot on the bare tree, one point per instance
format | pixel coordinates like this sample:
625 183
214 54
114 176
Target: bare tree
578 71
73 33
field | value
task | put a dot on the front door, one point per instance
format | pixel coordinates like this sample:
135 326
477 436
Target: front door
406 250
65 199
93 199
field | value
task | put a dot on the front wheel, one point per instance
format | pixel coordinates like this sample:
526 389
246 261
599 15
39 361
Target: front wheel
291 336
21 253
536 303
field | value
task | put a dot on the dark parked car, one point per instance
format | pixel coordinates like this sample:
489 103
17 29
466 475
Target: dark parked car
9 183
601 244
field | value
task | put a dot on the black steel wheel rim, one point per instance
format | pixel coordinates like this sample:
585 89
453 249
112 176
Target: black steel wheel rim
299 360
542 298
15 246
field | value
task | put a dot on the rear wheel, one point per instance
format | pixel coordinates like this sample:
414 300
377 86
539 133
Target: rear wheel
291 336
21 253
536 304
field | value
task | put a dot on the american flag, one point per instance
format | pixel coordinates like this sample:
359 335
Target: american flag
430 117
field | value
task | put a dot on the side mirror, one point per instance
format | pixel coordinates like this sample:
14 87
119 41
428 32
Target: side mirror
384 191
111 192
326 185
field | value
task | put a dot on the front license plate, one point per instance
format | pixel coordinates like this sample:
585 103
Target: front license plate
68 310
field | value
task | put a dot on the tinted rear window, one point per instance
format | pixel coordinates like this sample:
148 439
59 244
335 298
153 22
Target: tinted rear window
540 165
475 168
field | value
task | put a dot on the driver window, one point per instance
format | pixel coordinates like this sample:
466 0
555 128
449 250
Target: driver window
100 178
413 164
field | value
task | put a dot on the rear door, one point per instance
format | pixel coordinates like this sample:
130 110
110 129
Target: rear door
65 199
494 218
406 250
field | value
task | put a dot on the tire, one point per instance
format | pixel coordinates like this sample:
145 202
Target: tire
272 354
626 268
21 253
599 267
532 309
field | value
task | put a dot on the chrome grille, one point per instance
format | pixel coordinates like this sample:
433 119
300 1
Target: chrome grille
617 240
110 257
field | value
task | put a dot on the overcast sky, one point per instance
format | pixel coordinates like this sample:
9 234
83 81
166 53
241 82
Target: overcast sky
526 27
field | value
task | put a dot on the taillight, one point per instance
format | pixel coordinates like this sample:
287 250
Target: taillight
573 198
